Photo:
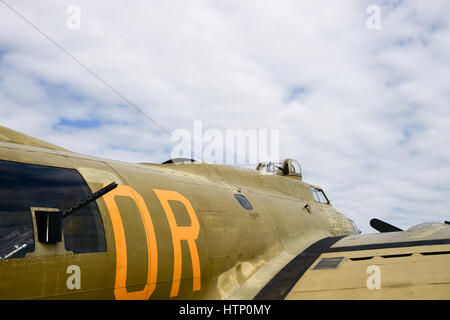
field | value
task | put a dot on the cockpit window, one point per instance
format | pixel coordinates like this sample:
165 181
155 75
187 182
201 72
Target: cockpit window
319 195
23 186
322 198
315 196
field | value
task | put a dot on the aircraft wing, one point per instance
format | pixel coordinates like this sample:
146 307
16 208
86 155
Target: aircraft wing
412 264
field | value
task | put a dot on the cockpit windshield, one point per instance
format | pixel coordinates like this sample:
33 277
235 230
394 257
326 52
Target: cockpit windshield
319 195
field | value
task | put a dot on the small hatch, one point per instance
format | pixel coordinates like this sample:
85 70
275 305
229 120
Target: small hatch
243 201
328 263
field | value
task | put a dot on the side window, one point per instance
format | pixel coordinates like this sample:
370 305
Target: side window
314 193
243 202
319 195
322 197
26 185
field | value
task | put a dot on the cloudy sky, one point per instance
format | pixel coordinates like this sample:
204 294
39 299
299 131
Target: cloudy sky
359 90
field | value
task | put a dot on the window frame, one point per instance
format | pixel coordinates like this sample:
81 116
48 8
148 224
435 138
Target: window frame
315 193
32 178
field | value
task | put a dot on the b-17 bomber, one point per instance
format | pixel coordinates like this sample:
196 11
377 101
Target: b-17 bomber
81 227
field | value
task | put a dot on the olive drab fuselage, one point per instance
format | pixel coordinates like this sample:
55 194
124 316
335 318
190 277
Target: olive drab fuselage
184 230
171 230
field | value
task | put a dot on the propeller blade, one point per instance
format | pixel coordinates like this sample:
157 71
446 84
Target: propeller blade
382 226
